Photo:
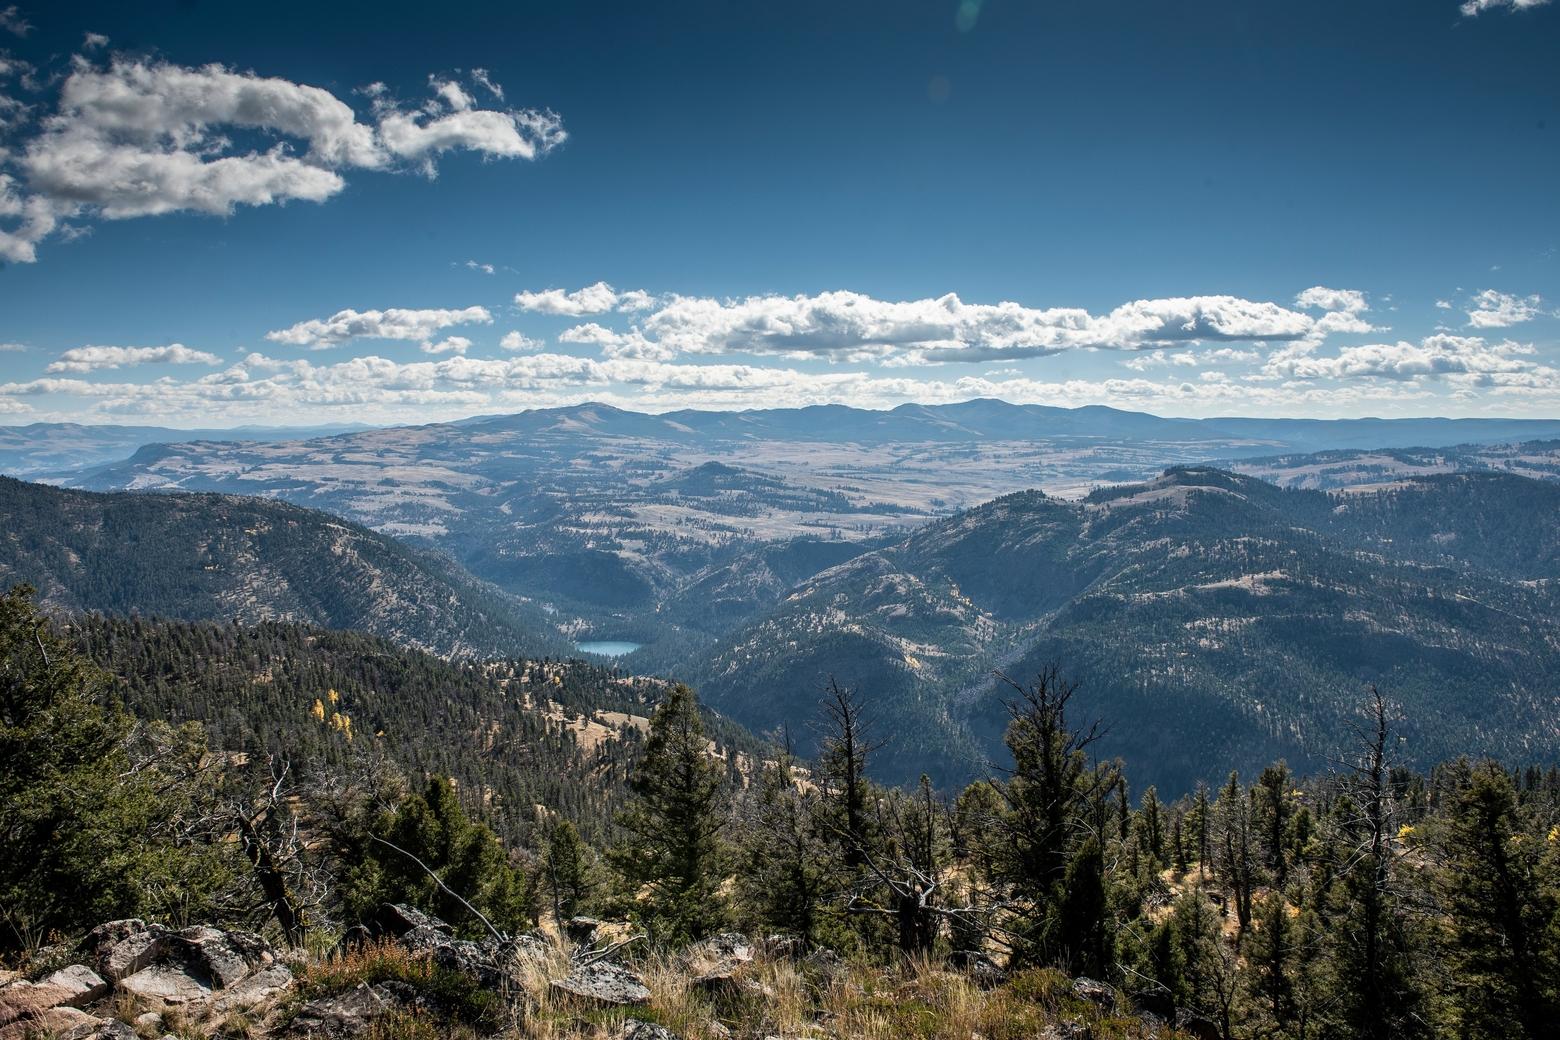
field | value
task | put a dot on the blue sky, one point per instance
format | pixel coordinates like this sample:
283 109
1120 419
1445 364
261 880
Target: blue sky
232 213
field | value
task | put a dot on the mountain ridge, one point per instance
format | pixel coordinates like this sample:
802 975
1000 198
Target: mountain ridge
196 557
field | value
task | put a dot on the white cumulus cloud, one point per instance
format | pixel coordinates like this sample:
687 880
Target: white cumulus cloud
593 299
1492 309
1433 357
136 137
92 358
1320 298
396 323
517 341
850 326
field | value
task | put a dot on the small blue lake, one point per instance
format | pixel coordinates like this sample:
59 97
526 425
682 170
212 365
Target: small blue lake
607 647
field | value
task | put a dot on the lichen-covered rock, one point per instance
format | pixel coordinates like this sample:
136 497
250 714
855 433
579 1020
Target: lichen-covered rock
223 958
107 1029
484 961
167 983
27 1010
253 990
727 946
396 919
343 1015
606 984
1066 1031
634 1029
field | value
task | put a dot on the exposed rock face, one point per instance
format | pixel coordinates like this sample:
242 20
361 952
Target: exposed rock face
182 967
486 962
605 984
121 948
731 947
53 1007
717 962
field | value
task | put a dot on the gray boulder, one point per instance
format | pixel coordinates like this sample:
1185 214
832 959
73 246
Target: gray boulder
581 931
81 983
607 985
634 1029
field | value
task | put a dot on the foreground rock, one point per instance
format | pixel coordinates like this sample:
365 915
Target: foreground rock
606 985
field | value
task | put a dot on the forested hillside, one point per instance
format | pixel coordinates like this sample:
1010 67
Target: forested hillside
198 557
1228 621
520 738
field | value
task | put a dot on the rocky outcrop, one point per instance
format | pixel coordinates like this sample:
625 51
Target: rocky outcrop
54 1006
188 966
207 972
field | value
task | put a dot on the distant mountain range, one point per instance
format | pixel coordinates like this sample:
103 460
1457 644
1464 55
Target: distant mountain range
43 448
198 557
985 419
1211 617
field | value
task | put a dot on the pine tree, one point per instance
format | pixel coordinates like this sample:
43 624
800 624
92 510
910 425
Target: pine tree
1081 934
1377 995
1049 800
1273 814
1270 953
1503 968
673 857
1151 826
844 749
566 868
1235 860
788 868
428 853
1201 827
